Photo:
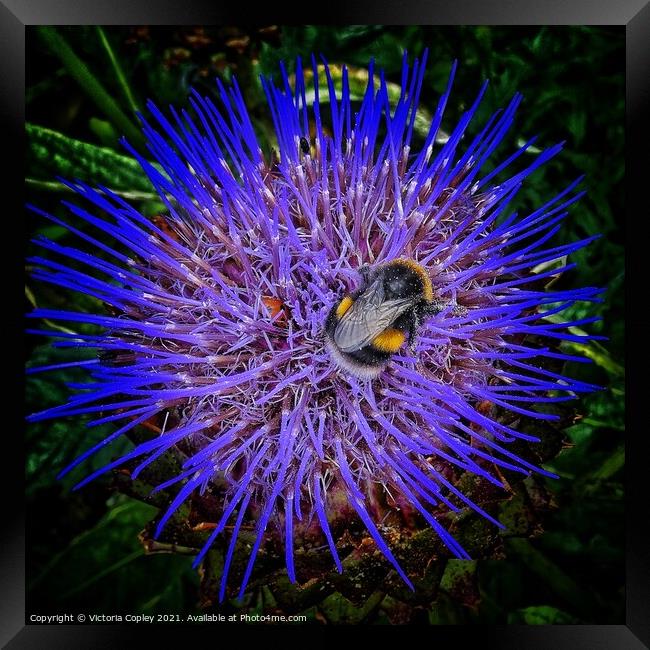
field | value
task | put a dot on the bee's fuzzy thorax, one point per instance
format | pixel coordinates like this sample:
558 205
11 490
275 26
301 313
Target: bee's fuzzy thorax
421 272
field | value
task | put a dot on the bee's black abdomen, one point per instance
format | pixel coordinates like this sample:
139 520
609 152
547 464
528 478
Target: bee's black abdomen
366 362
370 356
331 320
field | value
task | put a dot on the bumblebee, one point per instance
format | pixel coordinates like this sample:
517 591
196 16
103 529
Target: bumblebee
367 327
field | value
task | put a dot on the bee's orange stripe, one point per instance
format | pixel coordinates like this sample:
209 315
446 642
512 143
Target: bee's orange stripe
390 340
344 305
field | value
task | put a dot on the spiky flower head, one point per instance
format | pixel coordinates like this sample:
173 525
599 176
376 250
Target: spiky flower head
216 308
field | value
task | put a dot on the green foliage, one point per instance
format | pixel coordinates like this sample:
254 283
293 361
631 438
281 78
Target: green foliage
105 569
543 615
84 85
50 153
58 45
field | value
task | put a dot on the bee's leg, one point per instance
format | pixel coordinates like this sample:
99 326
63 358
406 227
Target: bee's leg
413 326
365 271
433 308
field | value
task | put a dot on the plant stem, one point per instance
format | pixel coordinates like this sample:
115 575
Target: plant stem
117 68
89 83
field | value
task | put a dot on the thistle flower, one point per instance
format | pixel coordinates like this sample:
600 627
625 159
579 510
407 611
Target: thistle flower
216 309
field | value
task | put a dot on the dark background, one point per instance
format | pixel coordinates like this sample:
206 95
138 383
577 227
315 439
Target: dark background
83 552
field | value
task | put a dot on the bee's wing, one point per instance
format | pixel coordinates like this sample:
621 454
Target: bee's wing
368 316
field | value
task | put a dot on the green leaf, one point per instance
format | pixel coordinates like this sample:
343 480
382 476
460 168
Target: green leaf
104 131
592 349
50 153
104 566
551 575
340 611
612 465
91 542
358 81
459 581
541 615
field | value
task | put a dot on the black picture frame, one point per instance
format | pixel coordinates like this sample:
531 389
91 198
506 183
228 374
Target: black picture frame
15 15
